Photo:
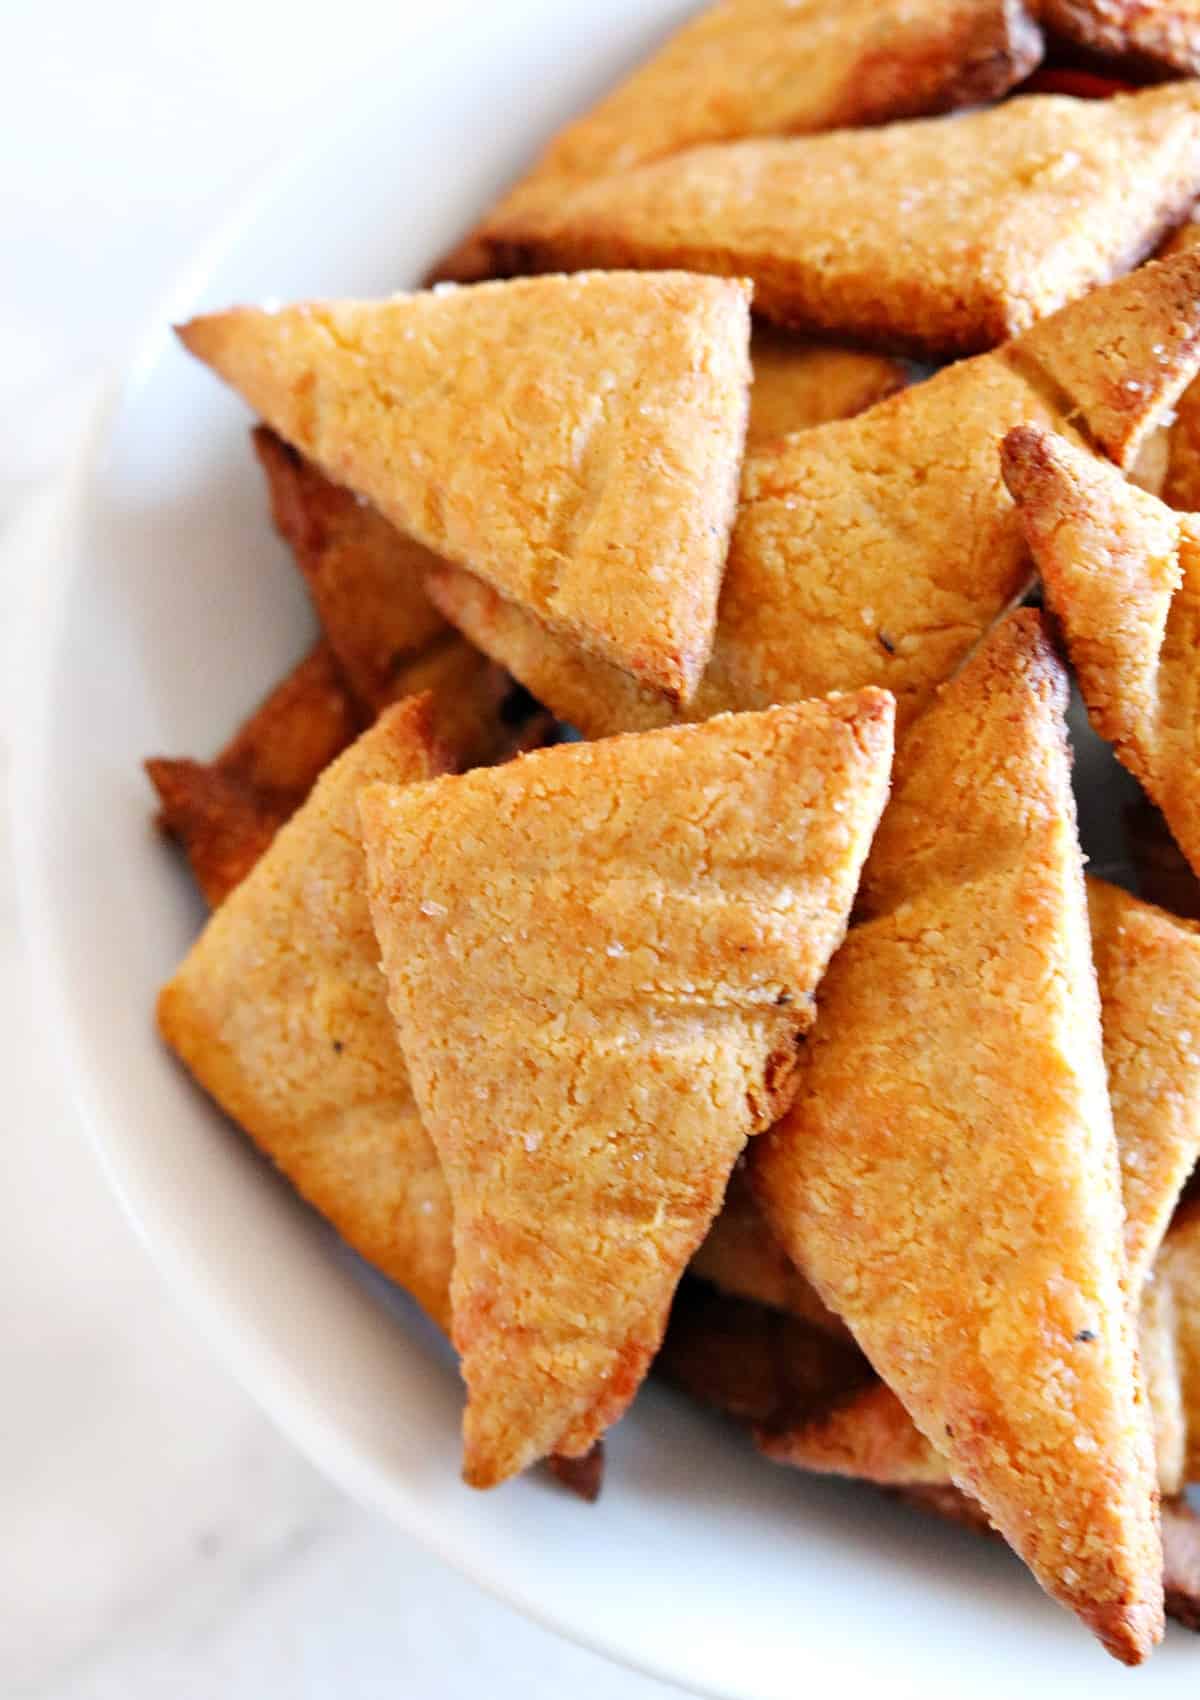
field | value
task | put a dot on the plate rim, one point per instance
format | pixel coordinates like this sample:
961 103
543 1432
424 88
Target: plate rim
54 514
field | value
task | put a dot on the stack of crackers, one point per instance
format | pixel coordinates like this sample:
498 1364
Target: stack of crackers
650 924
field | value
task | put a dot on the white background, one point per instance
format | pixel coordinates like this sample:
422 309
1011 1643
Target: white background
159 1538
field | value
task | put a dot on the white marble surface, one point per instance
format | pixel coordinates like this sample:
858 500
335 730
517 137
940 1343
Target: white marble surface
160 1538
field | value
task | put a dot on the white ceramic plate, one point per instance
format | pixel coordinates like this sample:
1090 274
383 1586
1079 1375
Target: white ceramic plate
167 609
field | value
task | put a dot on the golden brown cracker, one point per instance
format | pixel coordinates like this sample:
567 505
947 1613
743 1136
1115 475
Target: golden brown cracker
279 1011
1121 572
783 67
365 578
935 238
575 441
881 549
948 1175
599 959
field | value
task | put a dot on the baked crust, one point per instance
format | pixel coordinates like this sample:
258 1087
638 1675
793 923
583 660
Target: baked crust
575 441
1146 37
599 959
976 1252
279 1012
779 67
1121 571
880 550
936 238
1148 971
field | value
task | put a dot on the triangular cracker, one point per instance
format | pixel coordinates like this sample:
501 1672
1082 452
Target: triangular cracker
1121 356
574 440
784 67
600 959
279 1011
880 549
1148 971
1122 574
948 1175
939 237
1148 37
757 1365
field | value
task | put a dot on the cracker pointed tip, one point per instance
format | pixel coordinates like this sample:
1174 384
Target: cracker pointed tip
1123 353
1130 1631
207 335
1024 452
480 1474
498 1442
195 333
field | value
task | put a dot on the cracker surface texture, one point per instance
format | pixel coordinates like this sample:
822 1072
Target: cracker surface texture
575 441
1148 972
600 959
948 1175
940 237
879 550
1121 571
782 67
280 1012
